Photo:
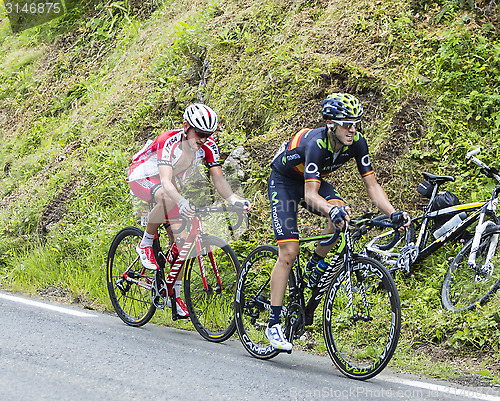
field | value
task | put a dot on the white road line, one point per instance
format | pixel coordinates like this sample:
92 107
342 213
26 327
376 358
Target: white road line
46 306
478 393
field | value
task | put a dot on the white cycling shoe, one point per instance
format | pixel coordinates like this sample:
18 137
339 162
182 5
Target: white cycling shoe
277 339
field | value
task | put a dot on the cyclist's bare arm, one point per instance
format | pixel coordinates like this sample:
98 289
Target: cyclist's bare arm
379 197
224 188
220 182
377 194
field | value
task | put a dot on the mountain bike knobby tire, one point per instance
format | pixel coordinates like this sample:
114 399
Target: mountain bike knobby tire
211 307
252 301
361 338
464 288
131 300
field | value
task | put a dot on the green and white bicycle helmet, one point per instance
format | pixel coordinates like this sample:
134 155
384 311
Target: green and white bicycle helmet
201 117
339 106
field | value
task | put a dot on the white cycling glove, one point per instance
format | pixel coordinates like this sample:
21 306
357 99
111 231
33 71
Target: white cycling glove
186 208
236 201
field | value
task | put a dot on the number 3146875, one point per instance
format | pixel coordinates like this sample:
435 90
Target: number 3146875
32 8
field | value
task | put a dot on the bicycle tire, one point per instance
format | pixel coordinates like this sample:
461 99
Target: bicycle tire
252 301
131 301
464 288
361 342
212 311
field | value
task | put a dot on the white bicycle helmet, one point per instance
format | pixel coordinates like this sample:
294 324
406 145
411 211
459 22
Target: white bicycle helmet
201 117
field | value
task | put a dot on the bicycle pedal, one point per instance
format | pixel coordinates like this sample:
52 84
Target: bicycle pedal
178 317
283 351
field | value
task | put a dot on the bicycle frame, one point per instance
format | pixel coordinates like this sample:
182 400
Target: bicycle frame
477 212
296 282
476 208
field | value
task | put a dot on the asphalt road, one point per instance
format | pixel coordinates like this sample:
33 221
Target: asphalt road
56 352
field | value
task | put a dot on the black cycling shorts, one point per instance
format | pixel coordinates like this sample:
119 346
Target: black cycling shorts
285 195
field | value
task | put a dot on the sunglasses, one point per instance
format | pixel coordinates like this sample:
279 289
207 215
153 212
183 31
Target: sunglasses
201 135
347 124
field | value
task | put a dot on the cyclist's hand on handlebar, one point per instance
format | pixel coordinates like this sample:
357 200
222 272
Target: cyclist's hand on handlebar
340 214
186 208
402 219
243 203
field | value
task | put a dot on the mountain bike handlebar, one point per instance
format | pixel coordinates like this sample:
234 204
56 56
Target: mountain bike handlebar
488 171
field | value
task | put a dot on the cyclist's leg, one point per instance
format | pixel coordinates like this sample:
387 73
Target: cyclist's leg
288 251
284 198
144 189
166 211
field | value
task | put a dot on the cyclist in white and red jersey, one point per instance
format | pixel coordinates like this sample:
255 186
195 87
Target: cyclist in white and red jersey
296 178
158 172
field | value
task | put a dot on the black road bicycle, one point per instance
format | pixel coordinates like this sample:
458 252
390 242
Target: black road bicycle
210 274
471 278
361 313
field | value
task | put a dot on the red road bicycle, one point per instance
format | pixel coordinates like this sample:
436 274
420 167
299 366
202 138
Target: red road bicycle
210 274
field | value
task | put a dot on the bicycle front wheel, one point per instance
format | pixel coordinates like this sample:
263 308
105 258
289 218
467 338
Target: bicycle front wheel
209 284
465 287
362 319
128 282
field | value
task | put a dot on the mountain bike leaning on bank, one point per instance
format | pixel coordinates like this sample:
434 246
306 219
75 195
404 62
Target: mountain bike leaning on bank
210 274
471 279
361 313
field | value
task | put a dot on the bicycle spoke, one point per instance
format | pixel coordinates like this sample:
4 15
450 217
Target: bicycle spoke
362 319
252 302
129 284
210 290
465 286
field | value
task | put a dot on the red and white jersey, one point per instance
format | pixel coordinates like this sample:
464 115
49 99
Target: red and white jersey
166 150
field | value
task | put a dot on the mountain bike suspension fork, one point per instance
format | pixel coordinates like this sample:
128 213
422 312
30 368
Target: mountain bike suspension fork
480 229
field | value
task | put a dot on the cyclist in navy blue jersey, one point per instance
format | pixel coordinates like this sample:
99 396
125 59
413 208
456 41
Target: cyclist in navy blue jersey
297 172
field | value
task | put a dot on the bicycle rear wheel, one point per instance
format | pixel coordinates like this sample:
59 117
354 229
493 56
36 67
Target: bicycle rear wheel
128 282
252 301
465 287
361 336
210 305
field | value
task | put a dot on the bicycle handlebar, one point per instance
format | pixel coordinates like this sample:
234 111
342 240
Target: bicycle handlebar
206 210
239 210
473 152
488 171
332 239
381 221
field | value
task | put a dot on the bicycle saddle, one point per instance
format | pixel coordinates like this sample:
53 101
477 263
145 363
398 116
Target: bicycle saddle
437 179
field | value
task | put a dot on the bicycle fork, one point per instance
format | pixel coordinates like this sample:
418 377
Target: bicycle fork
486 268
210 254
350 296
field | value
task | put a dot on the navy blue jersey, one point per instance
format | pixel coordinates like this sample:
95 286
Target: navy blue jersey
309 156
